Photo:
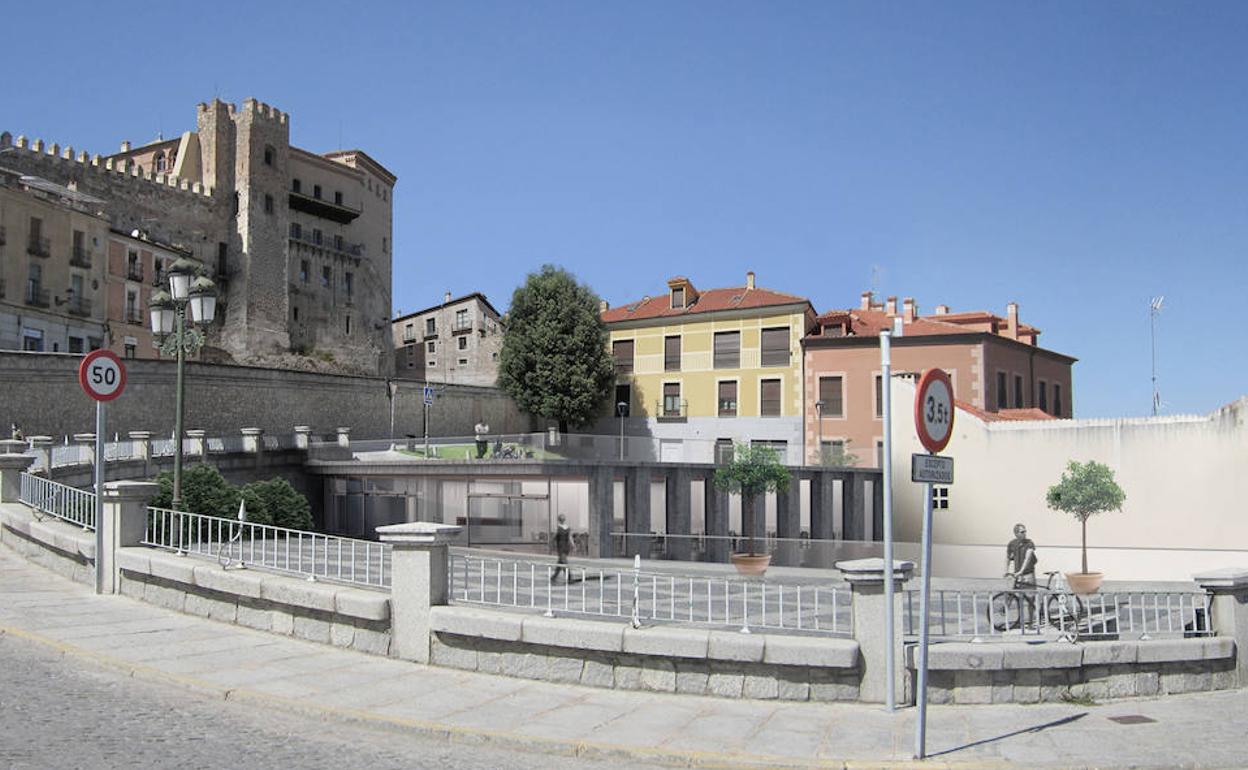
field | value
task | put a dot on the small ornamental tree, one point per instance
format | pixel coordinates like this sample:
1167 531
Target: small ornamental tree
204 491
754 470
554 361
280 504
1085 490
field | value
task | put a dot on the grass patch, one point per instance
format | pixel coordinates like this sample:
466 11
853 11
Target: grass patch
1078 700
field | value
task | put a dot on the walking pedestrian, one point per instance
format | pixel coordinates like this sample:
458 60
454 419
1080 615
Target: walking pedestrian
482 431
563 546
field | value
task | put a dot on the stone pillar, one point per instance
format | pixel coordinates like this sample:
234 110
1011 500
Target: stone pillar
851 505
637 512
716 524
866 587
124 524
877 507
12 465
788 524
303 437
87 440
199 446
418 581
143 445
43 444
344 438
858 502
1229 609
252 442
601 511
679 517
822 510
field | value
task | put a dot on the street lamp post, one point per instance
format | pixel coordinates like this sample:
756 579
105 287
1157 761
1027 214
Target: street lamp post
621 409
819 420
168 311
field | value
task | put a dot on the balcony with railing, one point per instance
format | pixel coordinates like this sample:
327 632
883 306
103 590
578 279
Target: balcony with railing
80 306
134 317
37 296
462 326
160 278
80 257
672 409
134 272
38 247
331 244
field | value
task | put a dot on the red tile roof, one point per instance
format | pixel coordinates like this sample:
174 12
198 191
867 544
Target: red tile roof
872 322
707 301
1006 415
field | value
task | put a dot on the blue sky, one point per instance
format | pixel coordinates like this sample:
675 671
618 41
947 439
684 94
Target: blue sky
1074 157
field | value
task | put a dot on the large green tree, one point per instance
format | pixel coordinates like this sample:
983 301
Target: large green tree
554 362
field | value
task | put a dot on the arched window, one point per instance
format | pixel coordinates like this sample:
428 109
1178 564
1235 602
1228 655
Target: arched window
269 154
160 161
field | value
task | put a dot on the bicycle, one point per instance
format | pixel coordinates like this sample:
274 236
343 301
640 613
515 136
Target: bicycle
1016 609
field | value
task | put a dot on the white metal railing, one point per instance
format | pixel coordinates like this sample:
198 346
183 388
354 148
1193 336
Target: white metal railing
646 596
71 504
310 554
1135 614
121 450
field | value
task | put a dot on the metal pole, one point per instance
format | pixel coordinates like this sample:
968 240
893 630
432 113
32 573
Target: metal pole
427 430
99 497
1152 342
886 478
920 737
179 339
621 434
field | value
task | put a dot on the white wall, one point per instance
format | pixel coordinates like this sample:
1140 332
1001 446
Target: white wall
1185 477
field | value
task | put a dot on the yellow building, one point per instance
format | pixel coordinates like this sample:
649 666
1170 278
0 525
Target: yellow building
699 370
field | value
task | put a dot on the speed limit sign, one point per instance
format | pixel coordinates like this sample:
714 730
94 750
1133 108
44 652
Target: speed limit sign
102 375
933 410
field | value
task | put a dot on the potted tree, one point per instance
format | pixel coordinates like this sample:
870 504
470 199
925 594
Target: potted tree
1085 490
754 470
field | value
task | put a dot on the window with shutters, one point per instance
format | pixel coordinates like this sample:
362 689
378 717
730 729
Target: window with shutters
769 398
671 354
775 347
727 350
724 451
678 298
622 352
728 398
879 395
831 393
671 400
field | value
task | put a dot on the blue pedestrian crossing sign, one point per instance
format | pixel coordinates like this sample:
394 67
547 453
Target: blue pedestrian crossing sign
428 393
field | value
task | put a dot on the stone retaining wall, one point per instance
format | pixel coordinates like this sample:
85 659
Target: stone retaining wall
659 659
1015 672
318 612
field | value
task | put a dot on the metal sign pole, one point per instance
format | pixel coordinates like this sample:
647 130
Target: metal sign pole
427 430
920 738
887 480
99 497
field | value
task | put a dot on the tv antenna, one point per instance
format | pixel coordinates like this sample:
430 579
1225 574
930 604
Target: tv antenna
1154 309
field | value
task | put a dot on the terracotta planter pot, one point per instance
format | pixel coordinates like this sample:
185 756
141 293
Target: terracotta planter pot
752 566
1084 582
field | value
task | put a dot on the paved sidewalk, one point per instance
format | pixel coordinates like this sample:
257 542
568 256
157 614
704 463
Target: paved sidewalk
239 664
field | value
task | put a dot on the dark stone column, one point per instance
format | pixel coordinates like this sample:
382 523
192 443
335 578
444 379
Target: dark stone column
853 490
821 505
637 511
679 517
716 522
877 503
860 507
601 511
789 509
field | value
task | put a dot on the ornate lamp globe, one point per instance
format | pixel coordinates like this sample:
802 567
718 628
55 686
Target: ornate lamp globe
203 300
161 308
181 273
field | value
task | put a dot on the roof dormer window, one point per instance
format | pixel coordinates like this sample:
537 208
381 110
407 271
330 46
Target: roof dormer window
678 298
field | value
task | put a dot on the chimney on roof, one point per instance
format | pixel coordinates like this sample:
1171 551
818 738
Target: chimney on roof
942 310
125 146
1011 320
890 306
899 328
749 280
446 299
867 296
603 306
908 309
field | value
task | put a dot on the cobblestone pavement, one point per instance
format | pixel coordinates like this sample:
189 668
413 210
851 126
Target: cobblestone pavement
58 711
408 709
